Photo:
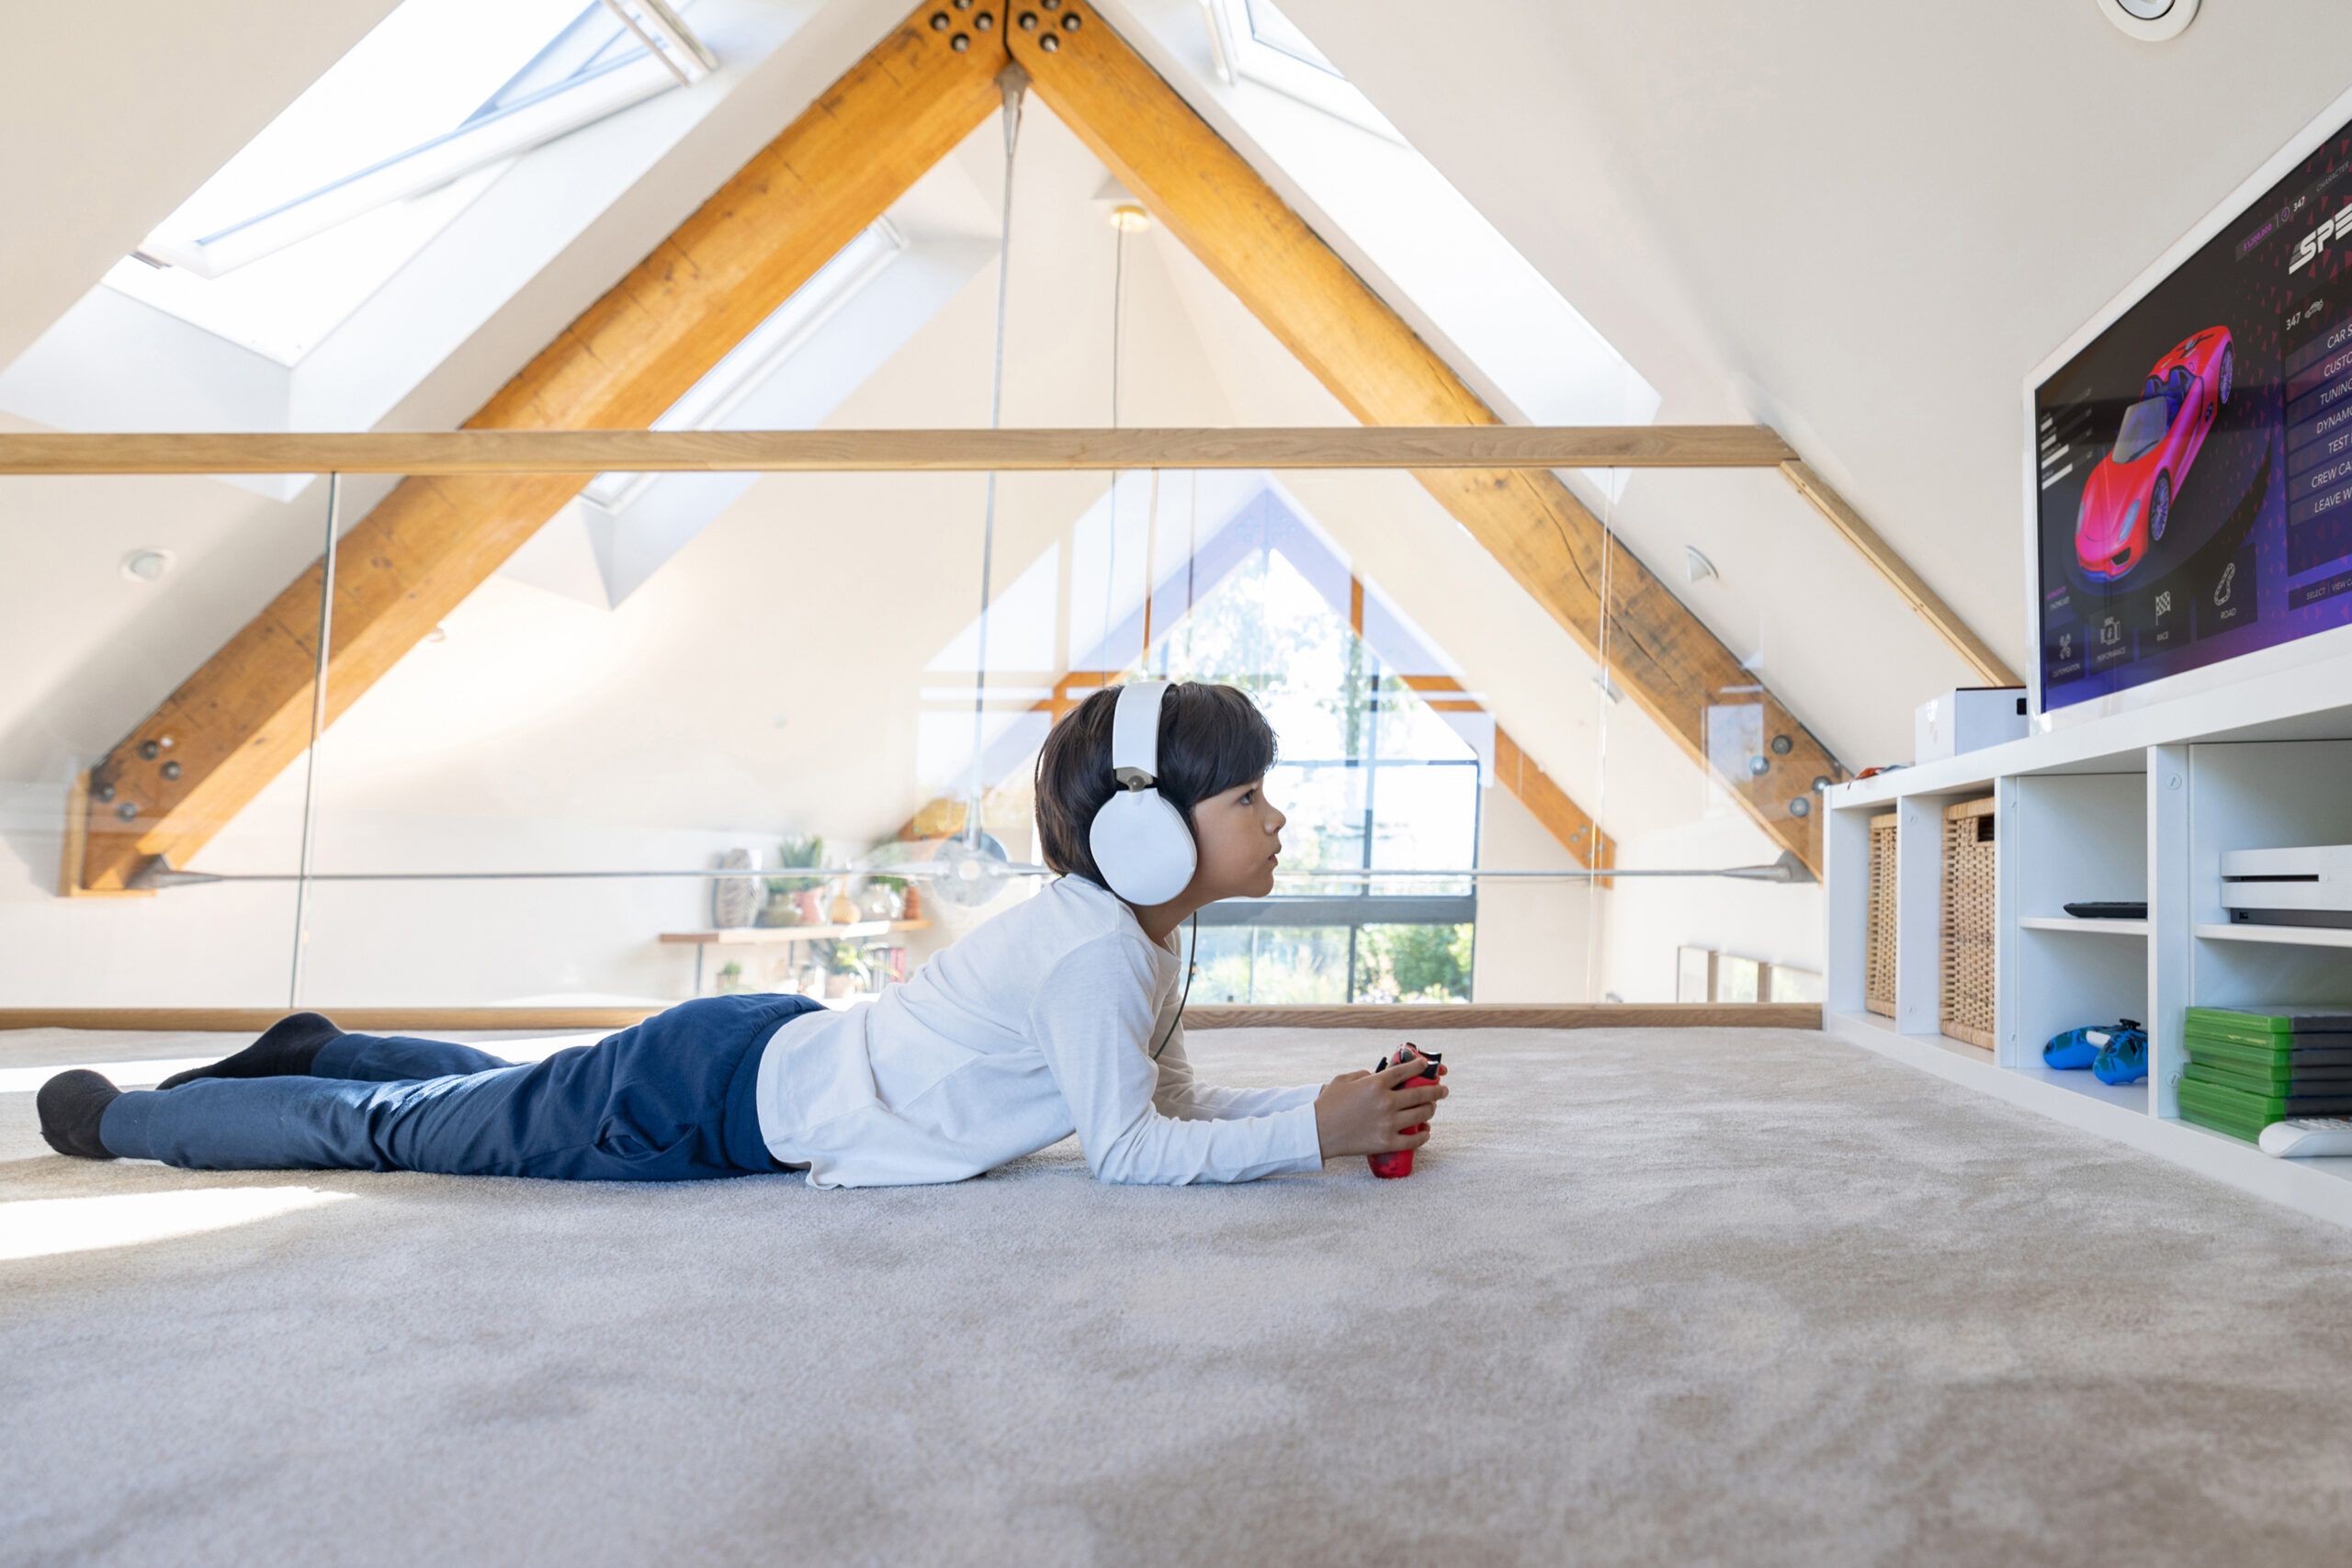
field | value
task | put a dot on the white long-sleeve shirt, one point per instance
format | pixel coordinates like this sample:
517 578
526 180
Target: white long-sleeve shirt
1034 1025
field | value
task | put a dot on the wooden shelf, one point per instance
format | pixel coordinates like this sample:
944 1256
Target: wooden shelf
768 936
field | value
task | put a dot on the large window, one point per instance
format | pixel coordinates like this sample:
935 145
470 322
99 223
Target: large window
1372 781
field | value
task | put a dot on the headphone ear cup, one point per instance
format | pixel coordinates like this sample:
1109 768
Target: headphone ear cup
1144 850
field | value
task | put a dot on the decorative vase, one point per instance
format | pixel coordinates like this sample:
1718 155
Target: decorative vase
734 901
876 903
843 910
910 907
812 913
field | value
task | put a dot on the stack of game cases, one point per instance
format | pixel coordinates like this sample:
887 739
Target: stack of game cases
2252 1065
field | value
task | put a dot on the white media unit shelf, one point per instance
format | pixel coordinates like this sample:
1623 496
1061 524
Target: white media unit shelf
2130 805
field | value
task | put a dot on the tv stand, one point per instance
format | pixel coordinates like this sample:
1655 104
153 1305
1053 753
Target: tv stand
2136 801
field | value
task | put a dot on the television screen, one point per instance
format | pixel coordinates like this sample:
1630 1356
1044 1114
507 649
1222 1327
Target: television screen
2194 460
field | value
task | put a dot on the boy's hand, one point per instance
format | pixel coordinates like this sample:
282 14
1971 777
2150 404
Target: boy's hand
1362 1113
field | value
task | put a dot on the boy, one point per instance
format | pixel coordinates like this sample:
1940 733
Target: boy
1058 1015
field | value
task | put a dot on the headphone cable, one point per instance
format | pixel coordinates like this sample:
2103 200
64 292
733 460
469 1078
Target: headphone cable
1190 965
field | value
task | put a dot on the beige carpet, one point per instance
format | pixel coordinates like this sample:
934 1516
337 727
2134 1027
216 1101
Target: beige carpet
1653 1298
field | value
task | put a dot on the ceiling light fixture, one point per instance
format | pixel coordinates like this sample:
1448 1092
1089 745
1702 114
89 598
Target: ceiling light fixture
1695 566
2149 21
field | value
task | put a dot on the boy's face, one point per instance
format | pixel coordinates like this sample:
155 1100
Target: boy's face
1238 834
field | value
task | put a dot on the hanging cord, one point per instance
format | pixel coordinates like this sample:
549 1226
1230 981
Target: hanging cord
1191 557
1150 565
1192 967
318 725
1118 310
1600 735
1013 83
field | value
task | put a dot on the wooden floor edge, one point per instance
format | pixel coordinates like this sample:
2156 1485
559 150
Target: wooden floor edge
1512 1015
477 1019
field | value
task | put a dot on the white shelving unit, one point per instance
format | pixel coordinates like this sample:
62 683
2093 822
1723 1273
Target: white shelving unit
2132 805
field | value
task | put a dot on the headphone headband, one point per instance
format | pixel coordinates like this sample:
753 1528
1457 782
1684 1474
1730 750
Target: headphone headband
1134 733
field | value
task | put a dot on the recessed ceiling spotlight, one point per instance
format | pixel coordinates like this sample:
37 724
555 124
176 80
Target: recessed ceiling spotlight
1697 566
2150 21
147 566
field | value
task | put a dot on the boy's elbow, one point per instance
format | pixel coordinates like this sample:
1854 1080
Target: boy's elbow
1126 1162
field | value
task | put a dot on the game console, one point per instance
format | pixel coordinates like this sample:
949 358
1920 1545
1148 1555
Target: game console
2309 884
1968 719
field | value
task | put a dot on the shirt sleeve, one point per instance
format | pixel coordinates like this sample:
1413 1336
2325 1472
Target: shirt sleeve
1182 1094
1091 1019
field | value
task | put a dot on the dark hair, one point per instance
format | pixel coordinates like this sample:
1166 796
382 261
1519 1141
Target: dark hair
1211 738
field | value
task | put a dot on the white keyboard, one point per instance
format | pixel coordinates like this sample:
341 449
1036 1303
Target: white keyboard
2308 1137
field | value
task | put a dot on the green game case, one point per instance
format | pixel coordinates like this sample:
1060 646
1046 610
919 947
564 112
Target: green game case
2266 1023
2223 1109
2266 1062
2247 1103
2259 1080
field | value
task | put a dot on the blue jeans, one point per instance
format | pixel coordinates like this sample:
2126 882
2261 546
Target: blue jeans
672 1099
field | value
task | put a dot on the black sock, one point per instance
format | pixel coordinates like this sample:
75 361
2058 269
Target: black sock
285 1050
69 1105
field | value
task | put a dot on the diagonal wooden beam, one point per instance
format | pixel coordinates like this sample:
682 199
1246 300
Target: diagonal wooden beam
1211 199
1569 824
239 720
1872 547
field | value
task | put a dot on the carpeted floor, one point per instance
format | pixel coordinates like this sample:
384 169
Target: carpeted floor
1651 1298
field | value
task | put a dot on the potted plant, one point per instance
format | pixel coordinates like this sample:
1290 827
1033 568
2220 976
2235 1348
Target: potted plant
844 969
791 900
730 976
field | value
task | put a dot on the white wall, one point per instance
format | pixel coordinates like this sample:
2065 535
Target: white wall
1535 939
1650 917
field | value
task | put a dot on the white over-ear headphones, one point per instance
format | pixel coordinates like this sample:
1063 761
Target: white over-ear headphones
1141 841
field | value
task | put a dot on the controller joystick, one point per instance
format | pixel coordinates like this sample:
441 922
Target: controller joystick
1399 1162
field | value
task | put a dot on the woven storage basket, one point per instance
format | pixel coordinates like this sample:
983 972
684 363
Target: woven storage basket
1970 859
1878 963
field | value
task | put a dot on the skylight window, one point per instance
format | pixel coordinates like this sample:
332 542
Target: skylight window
1254 41
387 148
710 402
1275 31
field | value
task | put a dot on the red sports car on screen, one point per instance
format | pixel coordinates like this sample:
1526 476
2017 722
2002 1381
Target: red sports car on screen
2127 498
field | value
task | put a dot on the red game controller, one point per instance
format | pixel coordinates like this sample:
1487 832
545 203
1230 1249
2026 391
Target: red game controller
1399 1162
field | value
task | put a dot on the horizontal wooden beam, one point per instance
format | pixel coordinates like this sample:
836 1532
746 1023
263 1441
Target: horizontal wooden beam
1873 548
1365 1015
887 451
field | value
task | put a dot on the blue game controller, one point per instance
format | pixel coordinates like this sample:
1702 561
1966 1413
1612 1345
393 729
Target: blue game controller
2115 1054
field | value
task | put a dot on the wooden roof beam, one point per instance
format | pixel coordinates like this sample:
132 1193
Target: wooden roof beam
1873 548
1659 653
241 719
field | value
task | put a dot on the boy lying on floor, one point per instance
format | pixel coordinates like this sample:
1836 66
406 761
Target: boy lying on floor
1059 1015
